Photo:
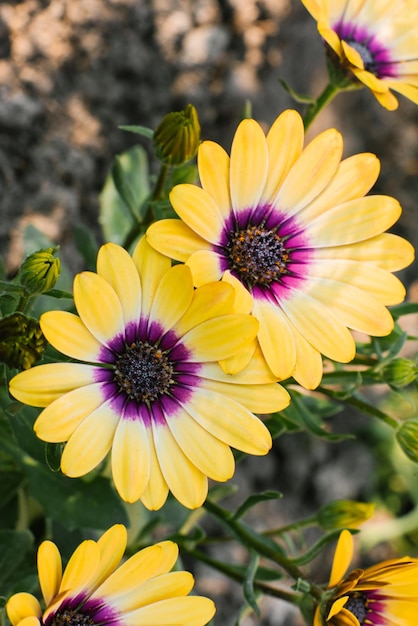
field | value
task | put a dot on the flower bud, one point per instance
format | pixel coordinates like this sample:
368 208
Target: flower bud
21 341
177 137
344 514
400 372
407 437
40 271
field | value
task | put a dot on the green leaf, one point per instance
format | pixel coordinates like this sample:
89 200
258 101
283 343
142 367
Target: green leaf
124 187
297 97
74 502
318 547
9 484
309 417
253 500
138 130
89 503
14 545
132 178
86 244
248 586
59 294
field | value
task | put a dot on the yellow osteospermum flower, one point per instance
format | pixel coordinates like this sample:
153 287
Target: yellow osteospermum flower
94 591
289 227
375 41
150 388
382 595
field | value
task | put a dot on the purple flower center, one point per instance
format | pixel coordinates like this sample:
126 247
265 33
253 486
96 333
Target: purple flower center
71 617
257 255
144 372
375 56
357 605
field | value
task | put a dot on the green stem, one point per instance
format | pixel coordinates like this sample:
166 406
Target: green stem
234 574
23 305
159 185
362 406
250 539
325 98
137 227
309 521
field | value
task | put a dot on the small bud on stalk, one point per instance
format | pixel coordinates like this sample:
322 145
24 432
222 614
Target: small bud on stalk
344 514
177 137
40 271
400 372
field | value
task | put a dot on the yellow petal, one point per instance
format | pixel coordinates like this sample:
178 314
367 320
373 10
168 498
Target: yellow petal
256 398
171 585
248 165
198 210
353 179
213 164
112 546
130 459
276 338
172 297
186 482
257 372
229 421
353 221
151 266
41 385
210 455
285 143
49 570
387 251
331 38
59 420
188 611
22 605
320 327
354 307
308 370
239 360
67 333
337 606
311 173
220 337
90 442
205 266
175 239
342 558
210 300
381 284
30 621
98 306
352 55
243 301
314 7
146 564
115 265
81 568
156 491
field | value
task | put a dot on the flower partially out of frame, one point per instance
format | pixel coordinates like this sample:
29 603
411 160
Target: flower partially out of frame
94 591
291 229
383 595
151 389
373 40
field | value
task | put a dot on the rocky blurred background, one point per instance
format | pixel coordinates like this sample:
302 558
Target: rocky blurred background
71 71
